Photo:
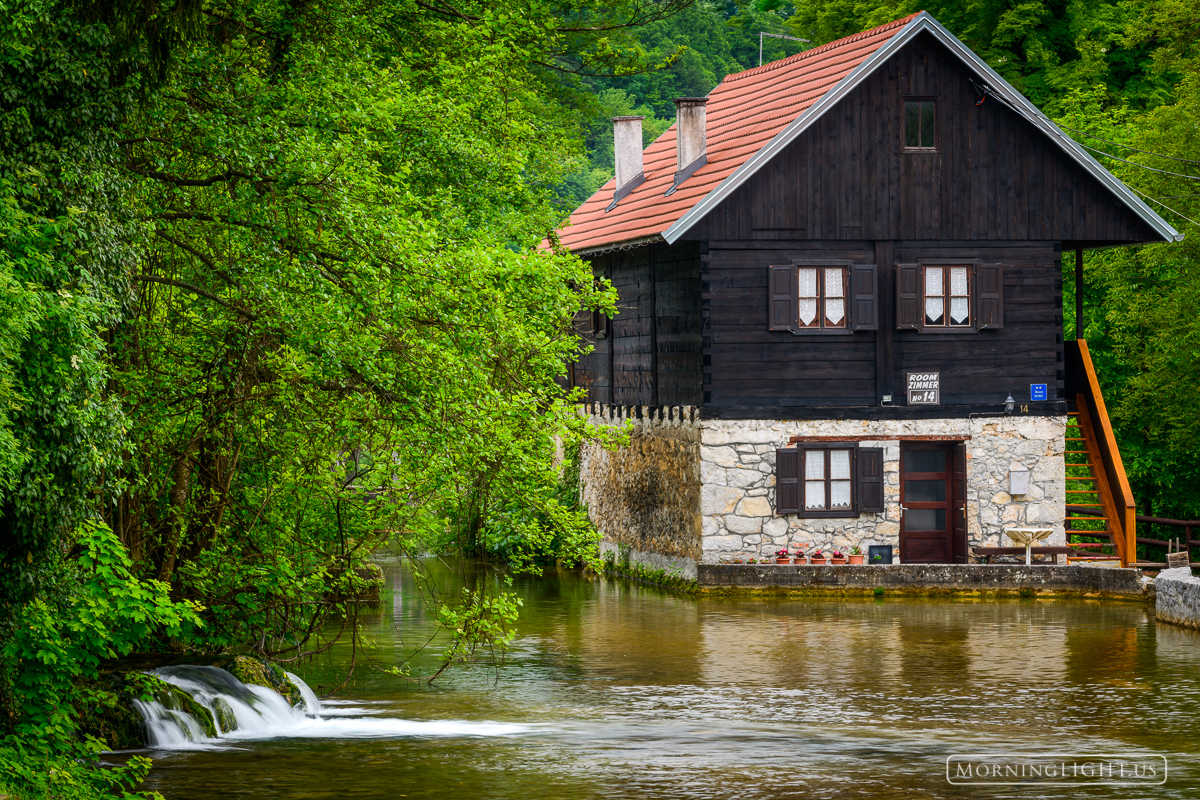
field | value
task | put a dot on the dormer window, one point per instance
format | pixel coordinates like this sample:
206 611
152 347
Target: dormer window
920 124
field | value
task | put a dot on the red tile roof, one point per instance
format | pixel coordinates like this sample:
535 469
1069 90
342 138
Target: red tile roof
744 113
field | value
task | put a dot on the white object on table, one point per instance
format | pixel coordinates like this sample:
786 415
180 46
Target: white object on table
1027 537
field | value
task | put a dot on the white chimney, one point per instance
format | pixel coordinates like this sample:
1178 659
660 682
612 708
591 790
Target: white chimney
689 131
627 148
690 139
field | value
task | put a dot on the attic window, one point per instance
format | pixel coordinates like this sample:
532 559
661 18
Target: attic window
920 125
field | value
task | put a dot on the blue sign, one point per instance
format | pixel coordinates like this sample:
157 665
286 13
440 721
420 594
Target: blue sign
1037 391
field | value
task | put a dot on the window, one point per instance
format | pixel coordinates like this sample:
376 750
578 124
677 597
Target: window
947 295
943 296
808 298
600 320
828 480
822 297
827 483
920 125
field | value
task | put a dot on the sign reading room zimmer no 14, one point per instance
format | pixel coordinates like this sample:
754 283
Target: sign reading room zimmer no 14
924 388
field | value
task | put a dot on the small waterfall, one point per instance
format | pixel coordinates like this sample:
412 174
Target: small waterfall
237 709
244 712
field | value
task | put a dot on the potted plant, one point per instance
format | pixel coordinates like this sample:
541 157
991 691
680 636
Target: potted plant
838 557
782 557
856 555
752 561
816 557
799 557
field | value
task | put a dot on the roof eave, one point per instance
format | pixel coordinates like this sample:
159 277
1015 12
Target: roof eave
628 244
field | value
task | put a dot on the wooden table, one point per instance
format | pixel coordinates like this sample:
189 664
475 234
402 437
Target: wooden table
1027 537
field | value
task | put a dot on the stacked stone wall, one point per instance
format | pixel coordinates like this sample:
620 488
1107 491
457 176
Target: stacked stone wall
686 490
737 468
645 498
1177 597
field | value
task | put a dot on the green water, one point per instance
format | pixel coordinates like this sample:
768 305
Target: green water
626 691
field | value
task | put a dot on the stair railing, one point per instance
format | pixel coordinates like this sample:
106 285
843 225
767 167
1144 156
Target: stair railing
1115 494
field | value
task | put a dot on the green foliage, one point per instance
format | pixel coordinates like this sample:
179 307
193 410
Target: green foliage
621 564
59 243
55 651
480 626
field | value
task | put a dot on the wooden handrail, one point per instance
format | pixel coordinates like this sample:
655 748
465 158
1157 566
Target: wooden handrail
1178 523
1113 483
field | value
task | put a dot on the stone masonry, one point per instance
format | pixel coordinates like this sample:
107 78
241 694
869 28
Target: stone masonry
687 490
1177 597
645 497
737 470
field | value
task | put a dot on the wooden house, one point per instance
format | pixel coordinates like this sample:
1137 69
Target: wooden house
840 318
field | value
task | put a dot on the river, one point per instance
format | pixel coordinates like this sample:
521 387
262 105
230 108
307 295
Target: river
614 689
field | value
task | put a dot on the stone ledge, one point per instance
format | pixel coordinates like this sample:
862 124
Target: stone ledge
1177 597
925 579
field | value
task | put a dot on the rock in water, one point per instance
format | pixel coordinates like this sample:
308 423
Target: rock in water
226 719
257 672
109 713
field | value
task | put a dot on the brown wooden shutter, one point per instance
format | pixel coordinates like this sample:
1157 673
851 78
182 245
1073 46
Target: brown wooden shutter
989 296
864 296
910 312
870 479
787 481
782 295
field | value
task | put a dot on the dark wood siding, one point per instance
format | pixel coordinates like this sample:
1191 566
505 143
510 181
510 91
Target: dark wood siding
755 372
754 367
993 177
656 333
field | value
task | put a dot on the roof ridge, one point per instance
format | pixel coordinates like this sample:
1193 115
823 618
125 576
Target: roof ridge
784 62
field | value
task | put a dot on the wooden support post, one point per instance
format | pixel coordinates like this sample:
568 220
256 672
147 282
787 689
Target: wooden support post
1079 293
653 328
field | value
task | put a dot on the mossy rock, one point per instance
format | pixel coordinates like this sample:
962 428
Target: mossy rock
257 672
176 699
225 717
107 711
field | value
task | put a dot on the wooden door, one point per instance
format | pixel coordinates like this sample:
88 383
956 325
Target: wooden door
959 483
927 495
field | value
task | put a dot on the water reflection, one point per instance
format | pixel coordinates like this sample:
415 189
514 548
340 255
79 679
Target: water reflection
632 692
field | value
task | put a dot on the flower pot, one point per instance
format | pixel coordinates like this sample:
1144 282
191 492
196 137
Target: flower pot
799 560
816 560
782 560
841 560
858 559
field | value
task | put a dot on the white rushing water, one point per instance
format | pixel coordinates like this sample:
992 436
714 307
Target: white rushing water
254 712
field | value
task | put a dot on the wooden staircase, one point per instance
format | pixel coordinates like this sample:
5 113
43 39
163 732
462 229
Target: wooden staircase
1100 504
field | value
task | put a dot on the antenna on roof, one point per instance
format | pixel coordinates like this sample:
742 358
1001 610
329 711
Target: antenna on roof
761 34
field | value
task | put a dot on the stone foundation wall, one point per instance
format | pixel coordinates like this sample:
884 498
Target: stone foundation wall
646 497
927 578
737 470
1177 597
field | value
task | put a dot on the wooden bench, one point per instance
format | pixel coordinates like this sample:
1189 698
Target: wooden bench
988 552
